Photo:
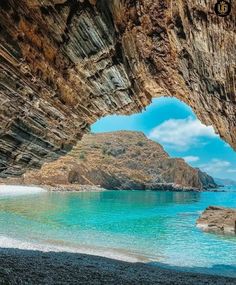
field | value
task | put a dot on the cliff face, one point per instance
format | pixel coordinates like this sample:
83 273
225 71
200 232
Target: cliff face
120 160
64 64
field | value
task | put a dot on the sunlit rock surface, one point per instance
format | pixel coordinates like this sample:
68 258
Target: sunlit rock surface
218 220
64 64
120 160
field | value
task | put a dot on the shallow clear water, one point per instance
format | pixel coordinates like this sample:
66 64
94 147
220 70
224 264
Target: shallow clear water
156 226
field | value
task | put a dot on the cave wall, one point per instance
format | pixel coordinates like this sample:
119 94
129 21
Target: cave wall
64 64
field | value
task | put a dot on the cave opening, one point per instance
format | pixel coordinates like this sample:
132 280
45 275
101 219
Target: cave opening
175 126
64 65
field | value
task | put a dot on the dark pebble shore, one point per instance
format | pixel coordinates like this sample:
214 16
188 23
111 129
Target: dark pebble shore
21 267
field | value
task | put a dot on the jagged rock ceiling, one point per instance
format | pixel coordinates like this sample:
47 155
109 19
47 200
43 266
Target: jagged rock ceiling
64 64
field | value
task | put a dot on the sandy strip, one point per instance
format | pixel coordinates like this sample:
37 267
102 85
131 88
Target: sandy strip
15 190
21 267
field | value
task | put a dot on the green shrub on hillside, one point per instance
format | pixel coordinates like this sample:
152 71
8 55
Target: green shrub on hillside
82 155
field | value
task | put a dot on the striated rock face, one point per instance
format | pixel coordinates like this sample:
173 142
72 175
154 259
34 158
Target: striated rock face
66 63
219 220
121 160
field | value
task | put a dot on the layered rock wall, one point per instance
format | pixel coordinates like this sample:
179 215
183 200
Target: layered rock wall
64 64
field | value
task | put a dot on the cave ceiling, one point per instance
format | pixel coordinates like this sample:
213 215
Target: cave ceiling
65 64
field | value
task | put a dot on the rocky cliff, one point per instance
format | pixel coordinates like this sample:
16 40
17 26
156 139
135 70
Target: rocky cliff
66 63
121 160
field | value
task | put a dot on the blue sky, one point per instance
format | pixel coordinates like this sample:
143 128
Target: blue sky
173 124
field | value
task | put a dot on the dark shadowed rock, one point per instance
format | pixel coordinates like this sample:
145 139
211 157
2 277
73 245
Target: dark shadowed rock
218 219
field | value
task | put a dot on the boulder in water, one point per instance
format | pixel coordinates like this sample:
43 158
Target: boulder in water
218 219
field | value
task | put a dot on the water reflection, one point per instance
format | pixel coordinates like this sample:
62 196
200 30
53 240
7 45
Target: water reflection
152 197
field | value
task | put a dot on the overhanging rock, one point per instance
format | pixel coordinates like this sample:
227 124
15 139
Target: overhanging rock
64 64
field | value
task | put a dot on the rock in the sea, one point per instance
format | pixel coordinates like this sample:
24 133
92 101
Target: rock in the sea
218 219
65 64
121 160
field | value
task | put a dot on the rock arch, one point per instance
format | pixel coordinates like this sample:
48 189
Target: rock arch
66 63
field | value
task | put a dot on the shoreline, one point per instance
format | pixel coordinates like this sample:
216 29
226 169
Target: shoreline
97 188
115 255
26 265
37 267
90 188
60 246
72 188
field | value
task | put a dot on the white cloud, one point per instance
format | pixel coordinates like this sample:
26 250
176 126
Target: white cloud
181 134
191 158
231 170
216 166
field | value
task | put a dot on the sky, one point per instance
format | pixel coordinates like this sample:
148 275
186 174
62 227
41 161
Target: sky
173 124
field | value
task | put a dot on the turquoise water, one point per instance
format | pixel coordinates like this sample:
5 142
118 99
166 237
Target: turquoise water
158 227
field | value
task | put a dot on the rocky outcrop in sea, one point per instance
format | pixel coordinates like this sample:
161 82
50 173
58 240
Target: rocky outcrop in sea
218 219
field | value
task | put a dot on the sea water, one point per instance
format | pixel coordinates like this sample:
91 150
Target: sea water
147 226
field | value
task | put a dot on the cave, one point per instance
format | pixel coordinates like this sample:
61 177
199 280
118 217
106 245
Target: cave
65 64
